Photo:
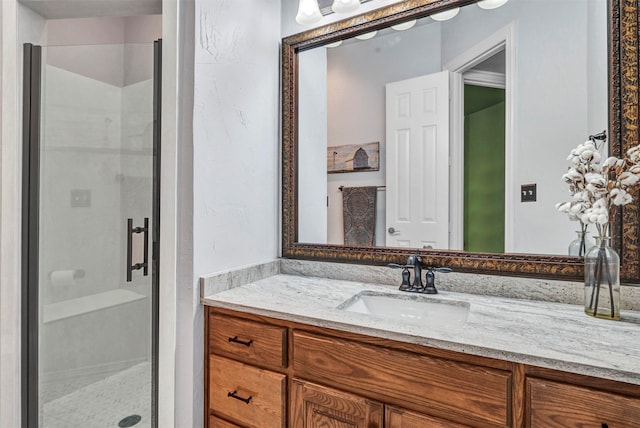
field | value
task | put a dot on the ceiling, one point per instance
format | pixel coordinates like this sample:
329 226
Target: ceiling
60 9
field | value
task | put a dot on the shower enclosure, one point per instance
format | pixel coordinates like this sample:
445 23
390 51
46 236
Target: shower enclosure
91 235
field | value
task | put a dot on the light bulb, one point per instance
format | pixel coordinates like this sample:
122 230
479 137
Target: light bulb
404 25
308 12
367 36
345 6
446 15
491 4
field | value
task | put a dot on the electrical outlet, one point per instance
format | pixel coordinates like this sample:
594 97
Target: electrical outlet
80 198
528 193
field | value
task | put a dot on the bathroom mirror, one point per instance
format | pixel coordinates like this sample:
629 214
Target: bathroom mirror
599 86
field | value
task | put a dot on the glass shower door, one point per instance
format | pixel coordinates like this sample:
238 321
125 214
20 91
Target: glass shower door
96 280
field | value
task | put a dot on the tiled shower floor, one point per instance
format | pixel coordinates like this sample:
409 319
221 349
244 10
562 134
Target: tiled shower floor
104 403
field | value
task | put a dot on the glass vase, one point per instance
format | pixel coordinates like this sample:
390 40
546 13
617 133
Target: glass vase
602 281
580 245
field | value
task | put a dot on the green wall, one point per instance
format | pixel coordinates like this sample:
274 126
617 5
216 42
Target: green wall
484 169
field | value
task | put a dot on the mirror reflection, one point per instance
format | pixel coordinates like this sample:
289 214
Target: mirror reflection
451 132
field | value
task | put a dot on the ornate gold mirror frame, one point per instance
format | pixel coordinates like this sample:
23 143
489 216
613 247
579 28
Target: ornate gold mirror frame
624 118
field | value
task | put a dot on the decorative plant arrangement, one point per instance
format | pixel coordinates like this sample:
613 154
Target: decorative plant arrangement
596 190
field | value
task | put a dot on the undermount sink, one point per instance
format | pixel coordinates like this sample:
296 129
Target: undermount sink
413 309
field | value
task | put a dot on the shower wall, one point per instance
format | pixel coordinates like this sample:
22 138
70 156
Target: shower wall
97 121
81 160
96 139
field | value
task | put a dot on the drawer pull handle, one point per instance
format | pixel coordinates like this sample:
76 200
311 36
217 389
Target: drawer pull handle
241 342
237 397
605 425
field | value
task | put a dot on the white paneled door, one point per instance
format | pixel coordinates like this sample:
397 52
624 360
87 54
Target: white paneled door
417 122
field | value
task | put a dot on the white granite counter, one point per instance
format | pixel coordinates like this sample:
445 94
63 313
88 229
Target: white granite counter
552 335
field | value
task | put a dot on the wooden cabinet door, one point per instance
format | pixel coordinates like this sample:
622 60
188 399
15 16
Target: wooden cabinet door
315 406
400 418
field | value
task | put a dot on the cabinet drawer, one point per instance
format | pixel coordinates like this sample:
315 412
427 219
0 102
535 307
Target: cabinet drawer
558 405
250 396
474 395
248 341
215 422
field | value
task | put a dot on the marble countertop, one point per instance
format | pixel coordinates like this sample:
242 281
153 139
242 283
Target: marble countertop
551 335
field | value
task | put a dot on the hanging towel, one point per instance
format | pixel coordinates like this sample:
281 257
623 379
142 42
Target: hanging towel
359 215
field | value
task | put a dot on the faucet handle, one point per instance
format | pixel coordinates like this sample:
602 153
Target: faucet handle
439 269
406 275
430 287
398 266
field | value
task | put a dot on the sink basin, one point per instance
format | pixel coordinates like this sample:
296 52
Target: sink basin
412 309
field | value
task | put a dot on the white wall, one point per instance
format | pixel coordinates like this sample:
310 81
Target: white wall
597 66
235 163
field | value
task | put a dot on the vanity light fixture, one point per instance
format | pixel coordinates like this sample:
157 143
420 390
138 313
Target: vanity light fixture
334 44
308 12
367 36
446 15
404 25
345 6
491 4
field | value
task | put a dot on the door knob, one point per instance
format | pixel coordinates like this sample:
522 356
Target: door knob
391 230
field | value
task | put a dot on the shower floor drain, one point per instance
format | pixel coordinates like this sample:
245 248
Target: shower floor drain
129 421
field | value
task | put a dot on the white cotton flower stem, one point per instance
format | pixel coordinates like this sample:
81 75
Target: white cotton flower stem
601 264
595 290
611 293
583 237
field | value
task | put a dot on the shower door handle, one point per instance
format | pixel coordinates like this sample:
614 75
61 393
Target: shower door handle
145 263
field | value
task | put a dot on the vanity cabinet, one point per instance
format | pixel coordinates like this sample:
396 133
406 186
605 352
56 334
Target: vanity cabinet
266 373
558 405
243 385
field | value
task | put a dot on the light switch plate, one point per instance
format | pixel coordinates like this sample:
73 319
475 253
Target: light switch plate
528 193
80 198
